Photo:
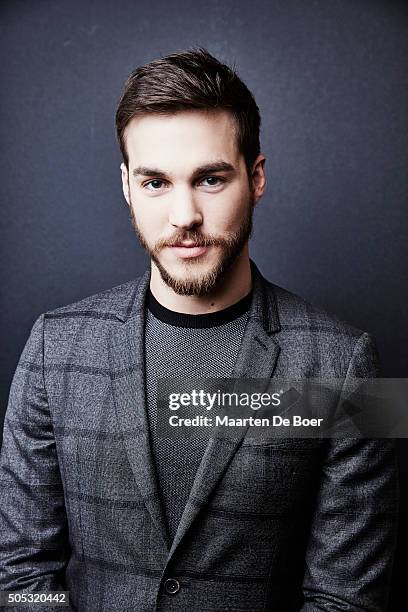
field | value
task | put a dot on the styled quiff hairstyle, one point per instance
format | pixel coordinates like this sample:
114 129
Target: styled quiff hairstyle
191 79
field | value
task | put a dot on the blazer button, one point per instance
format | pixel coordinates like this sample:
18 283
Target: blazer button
171 586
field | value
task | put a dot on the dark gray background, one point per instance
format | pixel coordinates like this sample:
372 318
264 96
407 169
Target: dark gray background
330 78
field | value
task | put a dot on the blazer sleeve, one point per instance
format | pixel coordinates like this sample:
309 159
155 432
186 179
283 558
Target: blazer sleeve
33 525
353 536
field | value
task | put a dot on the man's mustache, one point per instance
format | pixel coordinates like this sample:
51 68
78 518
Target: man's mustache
198 239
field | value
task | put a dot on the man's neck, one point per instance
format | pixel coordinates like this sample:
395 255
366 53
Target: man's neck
236 284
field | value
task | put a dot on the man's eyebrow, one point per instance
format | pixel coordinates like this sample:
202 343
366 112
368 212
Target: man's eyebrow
144 171
210 168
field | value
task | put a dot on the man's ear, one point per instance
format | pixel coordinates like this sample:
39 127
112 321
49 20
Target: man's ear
125 182
258 177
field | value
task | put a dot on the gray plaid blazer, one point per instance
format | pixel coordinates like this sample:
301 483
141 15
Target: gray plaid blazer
281 525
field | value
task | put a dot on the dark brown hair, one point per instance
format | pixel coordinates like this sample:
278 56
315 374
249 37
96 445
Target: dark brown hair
191 79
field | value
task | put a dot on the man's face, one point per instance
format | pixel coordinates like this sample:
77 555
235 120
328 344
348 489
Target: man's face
189 195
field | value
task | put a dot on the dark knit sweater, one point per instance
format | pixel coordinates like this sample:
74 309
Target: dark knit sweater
182 345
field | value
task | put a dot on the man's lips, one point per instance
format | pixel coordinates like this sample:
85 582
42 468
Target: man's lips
187 250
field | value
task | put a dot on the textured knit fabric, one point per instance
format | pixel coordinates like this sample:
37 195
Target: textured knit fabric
183 349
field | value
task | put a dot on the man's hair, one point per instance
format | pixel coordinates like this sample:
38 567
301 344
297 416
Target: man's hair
186 80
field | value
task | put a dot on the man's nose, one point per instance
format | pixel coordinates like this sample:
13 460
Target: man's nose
184 211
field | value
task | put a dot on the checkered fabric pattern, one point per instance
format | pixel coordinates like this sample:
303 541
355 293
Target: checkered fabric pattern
279 525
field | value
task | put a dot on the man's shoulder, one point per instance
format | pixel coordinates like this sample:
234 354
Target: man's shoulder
109 304
311 335
297 314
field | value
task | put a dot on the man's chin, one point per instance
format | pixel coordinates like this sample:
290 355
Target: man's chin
190 278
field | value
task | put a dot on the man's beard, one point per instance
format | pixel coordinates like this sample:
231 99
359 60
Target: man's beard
230 245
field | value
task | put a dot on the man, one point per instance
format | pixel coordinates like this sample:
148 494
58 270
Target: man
94 501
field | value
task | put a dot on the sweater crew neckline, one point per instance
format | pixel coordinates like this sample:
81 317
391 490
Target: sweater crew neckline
210 319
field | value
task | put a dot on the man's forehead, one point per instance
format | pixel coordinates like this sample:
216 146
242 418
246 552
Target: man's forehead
195 136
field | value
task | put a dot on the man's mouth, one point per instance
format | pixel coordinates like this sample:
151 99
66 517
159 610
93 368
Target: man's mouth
188 249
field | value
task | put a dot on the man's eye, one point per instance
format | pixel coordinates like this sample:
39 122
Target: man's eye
211 181
154 185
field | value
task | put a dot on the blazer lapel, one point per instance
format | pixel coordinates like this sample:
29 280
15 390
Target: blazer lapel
257 359
128 383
